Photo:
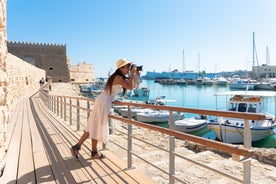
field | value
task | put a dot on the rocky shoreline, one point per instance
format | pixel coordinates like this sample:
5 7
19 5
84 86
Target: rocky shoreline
263 162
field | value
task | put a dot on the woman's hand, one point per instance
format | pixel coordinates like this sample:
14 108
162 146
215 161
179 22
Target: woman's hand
133 70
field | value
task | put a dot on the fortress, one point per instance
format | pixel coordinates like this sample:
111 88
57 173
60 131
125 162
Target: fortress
53 59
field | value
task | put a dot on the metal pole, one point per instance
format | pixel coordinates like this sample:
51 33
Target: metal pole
129 143
247 144
64 108
78 114
171 151
70 111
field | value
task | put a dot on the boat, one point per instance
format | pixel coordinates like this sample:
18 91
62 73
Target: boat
191 124
85 88
154 116
168 81
97 87
231 130
181 82
220 80
138 94
243 84
133 112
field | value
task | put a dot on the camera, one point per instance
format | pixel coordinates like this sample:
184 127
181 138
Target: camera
139 68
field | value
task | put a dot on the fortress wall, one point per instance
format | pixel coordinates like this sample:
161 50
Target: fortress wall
4 103
17 78
23 77
50 57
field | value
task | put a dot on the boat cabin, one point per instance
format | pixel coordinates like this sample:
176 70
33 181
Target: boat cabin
241 103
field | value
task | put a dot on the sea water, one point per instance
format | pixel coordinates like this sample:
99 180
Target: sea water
202 97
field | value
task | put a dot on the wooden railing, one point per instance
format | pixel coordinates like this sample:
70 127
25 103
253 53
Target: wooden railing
76 110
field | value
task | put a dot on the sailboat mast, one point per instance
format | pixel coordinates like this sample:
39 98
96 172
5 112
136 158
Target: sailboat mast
183 64
253 57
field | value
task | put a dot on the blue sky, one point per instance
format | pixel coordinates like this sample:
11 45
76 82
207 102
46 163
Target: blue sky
216 35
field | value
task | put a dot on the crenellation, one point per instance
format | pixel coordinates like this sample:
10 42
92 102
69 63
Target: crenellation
34 44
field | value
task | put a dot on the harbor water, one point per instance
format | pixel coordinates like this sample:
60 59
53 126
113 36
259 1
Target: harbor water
202 97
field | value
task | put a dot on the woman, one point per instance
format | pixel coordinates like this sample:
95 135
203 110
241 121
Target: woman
97 125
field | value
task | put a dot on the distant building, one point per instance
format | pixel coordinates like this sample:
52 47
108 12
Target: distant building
82 73
263 71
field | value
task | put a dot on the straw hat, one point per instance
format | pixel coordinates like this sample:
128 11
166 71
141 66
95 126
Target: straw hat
122 62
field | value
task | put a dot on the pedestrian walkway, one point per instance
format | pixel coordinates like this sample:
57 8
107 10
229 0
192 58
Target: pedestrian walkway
38 151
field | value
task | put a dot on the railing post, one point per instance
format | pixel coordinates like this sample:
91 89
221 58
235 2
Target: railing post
57 106
61 107
52 103
247 144
129 142
78 114
64 108
171 150
88 107
70 110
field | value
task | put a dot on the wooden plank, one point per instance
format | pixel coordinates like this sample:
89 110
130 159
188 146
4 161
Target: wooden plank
10 170
25 166
135 174
42 166
75 168
60 172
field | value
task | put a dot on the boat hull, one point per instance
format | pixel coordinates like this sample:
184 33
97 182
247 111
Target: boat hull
190 125
156 116
234 134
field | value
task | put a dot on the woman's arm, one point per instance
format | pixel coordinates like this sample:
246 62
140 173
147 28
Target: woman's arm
126 83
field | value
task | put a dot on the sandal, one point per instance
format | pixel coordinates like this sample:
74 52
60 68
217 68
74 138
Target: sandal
75 151
95 152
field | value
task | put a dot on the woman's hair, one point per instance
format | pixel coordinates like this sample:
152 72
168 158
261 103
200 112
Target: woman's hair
110 80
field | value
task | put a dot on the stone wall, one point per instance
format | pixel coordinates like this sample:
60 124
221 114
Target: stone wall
50 57
82 73
17 78
23 77
4 103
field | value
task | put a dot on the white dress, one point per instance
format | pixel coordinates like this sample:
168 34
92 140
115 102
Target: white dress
97 124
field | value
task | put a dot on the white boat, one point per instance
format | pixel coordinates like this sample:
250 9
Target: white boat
85 88
97 87
157 116
221 81
137 94
243 84
231 130
190 124
133 112
182 82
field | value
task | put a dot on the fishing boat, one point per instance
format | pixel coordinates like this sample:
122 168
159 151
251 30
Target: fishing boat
191 124
154 116
231 130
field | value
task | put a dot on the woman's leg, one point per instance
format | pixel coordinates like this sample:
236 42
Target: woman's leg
84 136
94 153
75 149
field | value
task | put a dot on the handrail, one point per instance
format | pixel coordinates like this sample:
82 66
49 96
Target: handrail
229 148
54 103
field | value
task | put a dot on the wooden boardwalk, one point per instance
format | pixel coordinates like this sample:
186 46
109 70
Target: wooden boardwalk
38 151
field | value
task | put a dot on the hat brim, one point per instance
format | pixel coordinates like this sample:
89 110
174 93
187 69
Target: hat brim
124 64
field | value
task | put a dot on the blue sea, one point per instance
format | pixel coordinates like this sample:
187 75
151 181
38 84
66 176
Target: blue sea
194 96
